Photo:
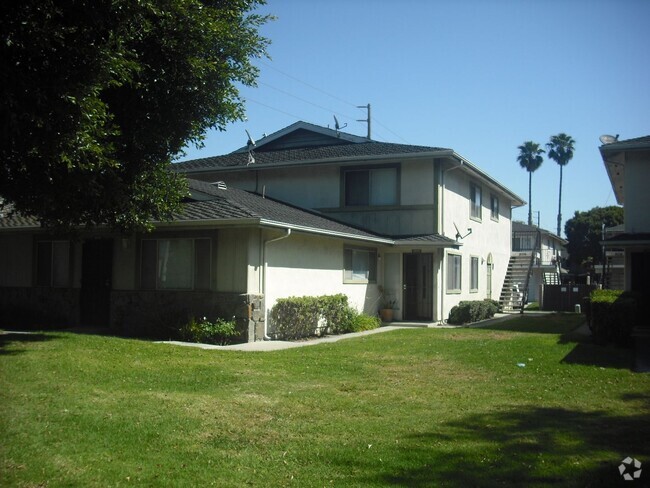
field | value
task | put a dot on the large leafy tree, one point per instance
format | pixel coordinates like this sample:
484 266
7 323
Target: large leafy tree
584 233
530 158
98 96
560 149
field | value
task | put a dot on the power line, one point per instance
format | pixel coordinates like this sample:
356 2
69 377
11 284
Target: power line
374 119
307 84
329 110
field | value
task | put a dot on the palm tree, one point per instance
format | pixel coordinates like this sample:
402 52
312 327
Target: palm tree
560 150
530 158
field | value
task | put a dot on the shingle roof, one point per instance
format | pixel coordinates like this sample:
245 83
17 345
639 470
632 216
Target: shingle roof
10 219
426 239
307 154
233 203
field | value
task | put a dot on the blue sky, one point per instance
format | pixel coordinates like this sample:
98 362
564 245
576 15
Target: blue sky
478 76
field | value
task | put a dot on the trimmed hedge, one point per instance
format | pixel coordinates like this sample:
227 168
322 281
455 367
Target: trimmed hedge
612 316
467 312
299 317
219 331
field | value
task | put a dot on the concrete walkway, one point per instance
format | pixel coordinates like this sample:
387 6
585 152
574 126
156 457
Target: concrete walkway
280 345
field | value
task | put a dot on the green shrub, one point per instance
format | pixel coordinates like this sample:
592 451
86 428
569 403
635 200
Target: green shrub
295 317
219 332
467 312
613 315
363 322
298 317
336 313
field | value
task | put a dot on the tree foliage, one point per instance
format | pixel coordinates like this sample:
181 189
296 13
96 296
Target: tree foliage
97 97
560 149
530 158
584 233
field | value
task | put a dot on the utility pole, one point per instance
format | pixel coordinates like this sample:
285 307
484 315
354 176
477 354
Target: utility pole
366 120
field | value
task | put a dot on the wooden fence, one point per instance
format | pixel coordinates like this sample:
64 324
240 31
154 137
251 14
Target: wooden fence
563 298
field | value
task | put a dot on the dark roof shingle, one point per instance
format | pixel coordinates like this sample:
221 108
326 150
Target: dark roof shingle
321 153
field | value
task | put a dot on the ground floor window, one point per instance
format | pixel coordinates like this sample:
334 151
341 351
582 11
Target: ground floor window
176 264
454 273
473 279
53 263
360 265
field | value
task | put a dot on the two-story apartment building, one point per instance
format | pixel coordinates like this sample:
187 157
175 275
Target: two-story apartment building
306 211
536 260
628 167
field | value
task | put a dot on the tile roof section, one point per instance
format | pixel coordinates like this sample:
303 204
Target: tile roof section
310 154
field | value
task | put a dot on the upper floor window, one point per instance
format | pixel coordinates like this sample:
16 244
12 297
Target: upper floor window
476 201
370 187
494 207
53 263
175 264
360 265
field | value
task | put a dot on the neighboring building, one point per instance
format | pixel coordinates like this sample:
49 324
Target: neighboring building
307 211
536 250
628 167
613 272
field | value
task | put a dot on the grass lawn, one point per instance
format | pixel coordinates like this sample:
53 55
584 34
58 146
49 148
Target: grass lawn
413 407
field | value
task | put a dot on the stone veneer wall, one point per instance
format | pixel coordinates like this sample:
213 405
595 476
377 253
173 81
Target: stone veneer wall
41 307
160 313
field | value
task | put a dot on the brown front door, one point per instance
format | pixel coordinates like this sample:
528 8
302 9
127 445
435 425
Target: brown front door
96 281
418 286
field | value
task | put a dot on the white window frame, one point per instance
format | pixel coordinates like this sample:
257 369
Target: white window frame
349 254
454 273
473 274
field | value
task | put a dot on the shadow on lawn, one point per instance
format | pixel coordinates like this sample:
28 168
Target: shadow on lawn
535 446
9 338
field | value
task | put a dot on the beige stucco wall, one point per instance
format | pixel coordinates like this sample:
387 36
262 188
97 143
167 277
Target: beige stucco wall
637 196
488 237
16 251
304 265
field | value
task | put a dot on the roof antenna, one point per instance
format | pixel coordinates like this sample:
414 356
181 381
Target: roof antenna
338 126
250 144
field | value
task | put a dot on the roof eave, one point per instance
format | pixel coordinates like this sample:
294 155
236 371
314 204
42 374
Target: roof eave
325 232
325 161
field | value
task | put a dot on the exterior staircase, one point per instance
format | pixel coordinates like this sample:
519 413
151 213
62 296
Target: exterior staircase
512 293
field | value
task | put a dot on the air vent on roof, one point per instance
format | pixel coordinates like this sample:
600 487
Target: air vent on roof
221 185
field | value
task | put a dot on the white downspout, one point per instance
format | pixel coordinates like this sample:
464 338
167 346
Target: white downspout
264 269
442 231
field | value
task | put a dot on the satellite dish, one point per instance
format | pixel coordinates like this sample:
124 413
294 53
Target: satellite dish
607 139
459 235
338 126
251 142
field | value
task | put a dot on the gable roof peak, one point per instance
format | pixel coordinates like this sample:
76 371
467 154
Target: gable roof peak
325 133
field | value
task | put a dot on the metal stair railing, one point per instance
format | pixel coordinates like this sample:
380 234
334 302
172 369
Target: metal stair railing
536 248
